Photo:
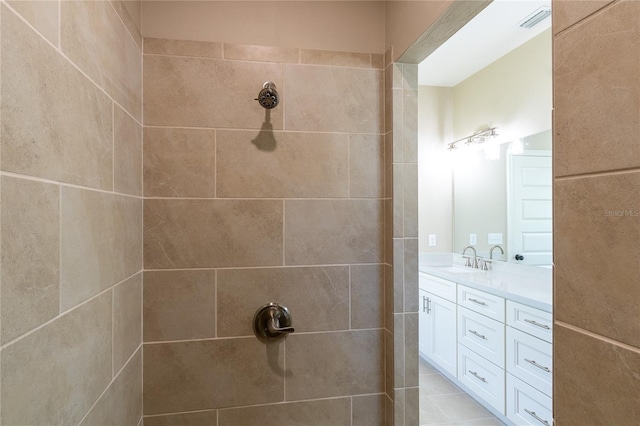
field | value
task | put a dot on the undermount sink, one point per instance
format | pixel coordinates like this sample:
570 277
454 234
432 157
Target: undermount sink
456 269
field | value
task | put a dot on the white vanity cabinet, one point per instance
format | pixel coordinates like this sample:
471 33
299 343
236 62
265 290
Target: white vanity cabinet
481 339
437 316
498 350
529 365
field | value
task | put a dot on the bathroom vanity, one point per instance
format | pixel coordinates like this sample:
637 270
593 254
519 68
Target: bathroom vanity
490 332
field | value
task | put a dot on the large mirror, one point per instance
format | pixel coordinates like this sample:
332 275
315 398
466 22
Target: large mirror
502 199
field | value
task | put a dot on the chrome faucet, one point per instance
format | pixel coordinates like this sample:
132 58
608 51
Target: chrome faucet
498 246
474 263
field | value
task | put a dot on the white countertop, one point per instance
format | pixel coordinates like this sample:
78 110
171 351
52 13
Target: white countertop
528 285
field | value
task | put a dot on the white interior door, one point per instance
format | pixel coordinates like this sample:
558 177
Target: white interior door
530 210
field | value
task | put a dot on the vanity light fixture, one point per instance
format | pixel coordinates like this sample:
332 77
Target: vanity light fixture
477 138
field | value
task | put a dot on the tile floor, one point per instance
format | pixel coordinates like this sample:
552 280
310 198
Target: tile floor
443 403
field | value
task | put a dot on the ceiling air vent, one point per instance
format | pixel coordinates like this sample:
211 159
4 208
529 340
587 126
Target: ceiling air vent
535 18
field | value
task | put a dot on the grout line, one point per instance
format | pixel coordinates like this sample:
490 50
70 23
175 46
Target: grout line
259 61
63 313
215 164
284 239
124 25
597 336
598 174
65 184
241 268
268 404
251 336
113 379
361 199
236 129
350 298
215 302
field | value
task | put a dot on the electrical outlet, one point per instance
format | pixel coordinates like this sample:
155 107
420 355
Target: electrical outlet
473 239
432 240
494 239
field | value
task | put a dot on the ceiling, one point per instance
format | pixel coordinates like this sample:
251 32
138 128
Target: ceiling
493 33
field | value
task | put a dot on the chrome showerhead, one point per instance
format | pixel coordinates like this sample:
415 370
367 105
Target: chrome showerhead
268 96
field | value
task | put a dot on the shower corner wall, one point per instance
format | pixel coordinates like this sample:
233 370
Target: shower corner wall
245 206
401 229
70 214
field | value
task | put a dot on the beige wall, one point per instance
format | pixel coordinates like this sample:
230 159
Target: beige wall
596 246
245 206
435 130
513 93
348 26
71 214
405 21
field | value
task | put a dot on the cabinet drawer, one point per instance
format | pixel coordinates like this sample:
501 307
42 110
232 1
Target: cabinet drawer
481 302
530 320
484 378
438 286
526 405
483 335
530 359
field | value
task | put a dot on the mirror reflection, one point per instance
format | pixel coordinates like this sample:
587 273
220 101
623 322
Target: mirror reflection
502 200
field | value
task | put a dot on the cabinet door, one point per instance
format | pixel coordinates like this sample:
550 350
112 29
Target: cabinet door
440 325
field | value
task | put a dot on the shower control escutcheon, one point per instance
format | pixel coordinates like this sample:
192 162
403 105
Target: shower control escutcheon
272 322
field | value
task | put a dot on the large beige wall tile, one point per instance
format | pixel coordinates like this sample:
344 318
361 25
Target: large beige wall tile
334 364
127 154
333 231
212 233
334 412
54 375
261 53
43 15
411 349
201 49
127 320
195 92
410 270
595 382
282 164
95 39
399 343
121 403
367 296
329 57
366 166
595 86
368 410
199 375
398 200
410 200
30 255
101 242
179 305
569 12
317 298
179 162
596 217
199 418
334 99
74 139
410 125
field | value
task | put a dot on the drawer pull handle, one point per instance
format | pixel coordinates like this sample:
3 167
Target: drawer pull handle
535 364
479 302
424 304
477 334
537 324
535 416
477 376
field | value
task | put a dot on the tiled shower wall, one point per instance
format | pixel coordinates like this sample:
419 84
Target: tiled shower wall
596 223
401 230
245 206
71 214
